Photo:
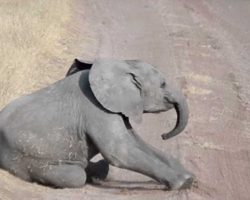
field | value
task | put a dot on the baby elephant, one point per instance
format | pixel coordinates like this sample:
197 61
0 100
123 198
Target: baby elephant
50 135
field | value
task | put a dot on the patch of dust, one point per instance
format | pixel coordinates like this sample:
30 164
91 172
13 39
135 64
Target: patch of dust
205 145
199 77
197 90
179 34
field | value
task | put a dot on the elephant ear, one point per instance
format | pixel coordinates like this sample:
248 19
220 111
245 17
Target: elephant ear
117 88
78 65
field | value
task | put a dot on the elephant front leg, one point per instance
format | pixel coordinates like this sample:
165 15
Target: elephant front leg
95 170
121 148
184 178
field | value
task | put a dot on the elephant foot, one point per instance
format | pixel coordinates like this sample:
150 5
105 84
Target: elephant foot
97 171
184 182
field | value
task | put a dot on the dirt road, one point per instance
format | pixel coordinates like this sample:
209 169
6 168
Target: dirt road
204 47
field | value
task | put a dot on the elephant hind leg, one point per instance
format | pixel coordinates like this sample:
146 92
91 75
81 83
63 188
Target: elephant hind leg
14 162
60 176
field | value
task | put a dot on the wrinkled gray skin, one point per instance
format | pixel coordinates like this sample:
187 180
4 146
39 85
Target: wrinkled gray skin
50 135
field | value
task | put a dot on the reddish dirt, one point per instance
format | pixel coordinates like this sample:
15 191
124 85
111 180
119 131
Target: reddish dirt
204 47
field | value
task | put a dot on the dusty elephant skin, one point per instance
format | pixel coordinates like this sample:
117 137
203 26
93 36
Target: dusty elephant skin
50 135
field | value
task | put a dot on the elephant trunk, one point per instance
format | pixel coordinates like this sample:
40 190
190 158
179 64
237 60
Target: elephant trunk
181 108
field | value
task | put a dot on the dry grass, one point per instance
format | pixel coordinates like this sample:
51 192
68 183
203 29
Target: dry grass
33 49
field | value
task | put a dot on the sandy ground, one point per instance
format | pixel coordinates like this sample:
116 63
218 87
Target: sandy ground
201 45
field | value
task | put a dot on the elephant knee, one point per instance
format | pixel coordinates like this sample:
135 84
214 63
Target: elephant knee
60 176
75 179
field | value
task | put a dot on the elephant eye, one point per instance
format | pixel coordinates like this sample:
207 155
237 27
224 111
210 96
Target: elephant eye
163 85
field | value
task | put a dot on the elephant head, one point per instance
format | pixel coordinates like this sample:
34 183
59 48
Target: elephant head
133 87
